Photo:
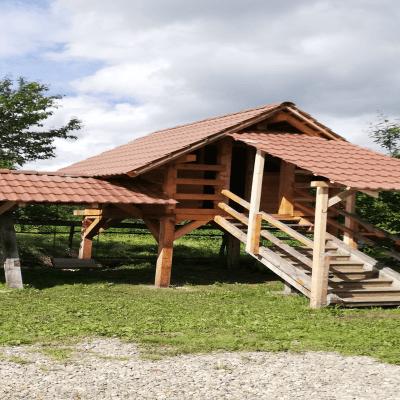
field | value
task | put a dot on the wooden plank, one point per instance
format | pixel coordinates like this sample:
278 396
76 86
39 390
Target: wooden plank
303 172
342 195
286 179
196 196
204 182
349 223
230 228
110 223
200 167
7 206
165 250
255 219
319 285
224 158
290 270
132 210
153 226
288 249
189 227
11 260
193 217
236 198
111 212
285 228
185 159
236 214
85 247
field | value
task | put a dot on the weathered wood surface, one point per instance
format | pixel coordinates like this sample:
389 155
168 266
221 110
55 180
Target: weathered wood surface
252 245
236 199
236 214
286 179
85 247
319 283
12 267
165 250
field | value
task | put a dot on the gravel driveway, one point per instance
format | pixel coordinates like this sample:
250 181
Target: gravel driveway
109 369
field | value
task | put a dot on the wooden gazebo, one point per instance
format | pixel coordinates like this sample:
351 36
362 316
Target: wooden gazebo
253 173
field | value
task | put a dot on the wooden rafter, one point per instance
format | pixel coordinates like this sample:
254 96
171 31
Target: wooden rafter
131 210
7 206
340 196
93 229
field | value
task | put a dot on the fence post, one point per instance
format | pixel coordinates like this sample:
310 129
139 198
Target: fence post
255 219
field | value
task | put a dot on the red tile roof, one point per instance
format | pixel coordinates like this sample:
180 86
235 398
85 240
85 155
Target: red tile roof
339 161
161 144
31 186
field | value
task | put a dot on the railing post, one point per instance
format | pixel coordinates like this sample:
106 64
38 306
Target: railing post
320 267
255 219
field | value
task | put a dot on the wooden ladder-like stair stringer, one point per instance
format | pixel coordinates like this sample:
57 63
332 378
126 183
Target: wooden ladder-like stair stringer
355 279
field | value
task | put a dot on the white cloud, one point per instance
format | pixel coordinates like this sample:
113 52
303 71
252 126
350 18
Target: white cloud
173 62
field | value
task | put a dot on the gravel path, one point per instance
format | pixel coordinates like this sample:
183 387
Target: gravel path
108 369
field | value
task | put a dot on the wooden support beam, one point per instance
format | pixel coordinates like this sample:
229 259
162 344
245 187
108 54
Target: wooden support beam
153 226
7 206
185 159
109 224
340 196
349 223
253 242
12 267
233 252
333 192
130 209
280 117
250 158
224 158
319 285
85 247
286 180
94 228
165 250
373 193
189 227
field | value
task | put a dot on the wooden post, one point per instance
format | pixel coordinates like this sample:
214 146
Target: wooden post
330 228
224 158
286 180
85 247
12 267
233 252
165 249
253 235
320 267
350 223
251 156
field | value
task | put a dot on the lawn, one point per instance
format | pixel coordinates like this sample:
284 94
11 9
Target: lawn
207 308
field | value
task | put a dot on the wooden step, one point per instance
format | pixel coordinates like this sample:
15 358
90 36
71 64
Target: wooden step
367 292
359 283
345 263
356 274
74 263
368 301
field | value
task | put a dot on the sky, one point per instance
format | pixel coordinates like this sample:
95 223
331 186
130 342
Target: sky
128 68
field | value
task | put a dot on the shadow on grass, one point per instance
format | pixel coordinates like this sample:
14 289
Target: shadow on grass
192 271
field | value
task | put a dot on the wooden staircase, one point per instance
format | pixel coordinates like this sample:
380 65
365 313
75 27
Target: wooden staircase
355 279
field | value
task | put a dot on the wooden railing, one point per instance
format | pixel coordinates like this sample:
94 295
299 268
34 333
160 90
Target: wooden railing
293 275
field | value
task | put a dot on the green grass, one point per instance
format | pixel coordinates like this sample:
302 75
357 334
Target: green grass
207 308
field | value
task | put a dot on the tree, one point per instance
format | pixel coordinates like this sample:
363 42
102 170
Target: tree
383 211
387 134
22 111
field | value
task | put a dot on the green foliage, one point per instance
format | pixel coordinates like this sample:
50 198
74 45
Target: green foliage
386 134
22 110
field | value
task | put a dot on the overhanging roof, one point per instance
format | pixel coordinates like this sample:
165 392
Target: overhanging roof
159 147
37 187
339 161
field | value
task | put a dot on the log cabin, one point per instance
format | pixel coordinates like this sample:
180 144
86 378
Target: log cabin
272 173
